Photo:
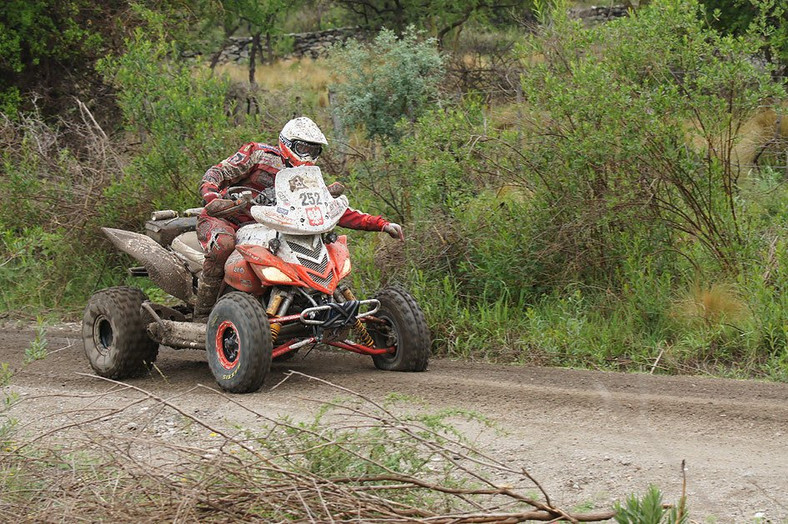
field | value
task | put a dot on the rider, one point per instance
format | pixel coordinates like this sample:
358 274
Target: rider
255 165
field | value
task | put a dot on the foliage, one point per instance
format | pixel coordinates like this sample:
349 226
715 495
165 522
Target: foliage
767 17
36 36
38 347
431 169
600 216
649 510
177 115
643 133
48 50
439 18
382 82
605 216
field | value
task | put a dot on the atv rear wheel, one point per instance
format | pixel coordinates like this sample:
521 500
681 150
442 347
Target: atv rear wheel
404 327
238 343
114 336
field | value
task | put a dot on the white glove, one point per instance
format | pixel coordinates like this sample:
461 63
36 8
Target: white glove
394 230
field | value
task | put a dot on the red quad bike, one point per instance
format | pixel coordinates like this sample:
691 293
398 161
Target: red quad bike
283 290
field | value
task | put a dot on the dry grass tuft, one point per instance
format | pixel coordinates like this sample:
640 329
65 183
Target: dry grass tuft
710 304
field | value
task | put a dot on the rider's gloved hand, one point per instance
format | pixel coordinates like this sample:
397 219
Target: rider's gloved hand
394 230
336 189
221 206
210 196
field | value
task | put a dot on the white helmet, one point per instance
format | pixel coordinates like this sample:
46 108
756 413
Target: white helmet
301 141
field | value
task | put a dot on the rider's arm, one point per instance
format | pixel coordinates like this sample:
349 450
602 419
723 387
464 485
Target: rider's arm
226 172
354 219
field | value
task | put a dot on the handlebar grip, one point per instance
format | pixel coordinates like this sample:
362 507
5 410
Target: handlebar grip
164 214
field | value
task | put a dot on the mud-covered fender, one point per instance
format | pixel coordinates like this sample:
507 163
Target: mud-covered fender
164 268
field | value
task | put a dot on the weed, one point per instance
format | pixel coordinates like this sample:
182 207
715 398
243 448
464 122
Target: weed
649 510
711 304
5 374
7 424
37 350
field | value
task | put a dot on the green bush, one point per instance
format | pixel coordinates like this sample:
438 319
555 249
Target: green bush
385 81
178 115
635 124
611 227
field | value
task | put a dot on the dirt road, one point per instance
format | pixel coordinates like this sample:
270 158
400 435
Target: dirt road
588 437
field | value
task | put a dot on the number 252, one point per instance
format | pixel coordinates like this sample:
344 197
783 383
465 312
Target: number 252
310 199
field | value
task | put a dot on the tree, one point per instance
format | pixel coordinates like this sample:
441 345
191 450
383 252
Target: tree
767 17
637 122
438 17
46 43
262 20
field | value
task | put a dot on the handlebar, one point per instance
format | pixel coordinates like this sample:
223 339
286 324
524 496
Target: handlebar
250 195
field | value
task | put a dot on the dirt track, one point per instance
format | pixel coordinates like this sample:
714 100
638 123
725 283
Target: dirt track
588 437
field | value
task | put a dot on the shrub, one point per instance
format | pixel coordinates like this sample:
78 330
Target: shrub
382 82
636 124
178 115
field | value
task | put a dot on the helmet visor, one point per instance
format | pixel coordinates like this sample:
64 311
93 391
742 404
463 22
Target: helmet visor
307 149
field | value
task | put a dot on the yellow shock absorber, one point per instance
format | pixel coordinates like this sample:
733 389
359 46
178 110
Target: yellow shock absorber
359 329
276 327
362 334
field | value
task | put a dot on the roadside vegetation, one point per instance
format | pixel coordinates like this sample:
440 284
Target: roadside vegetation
356 461
608 196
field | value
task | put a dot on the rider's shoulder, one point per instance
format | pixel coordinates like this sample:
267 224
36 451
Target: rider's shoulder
260 146
266 154
253 147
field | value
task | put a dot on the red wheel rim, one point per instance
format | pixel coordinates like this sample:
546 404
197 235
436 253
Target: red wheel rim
228 345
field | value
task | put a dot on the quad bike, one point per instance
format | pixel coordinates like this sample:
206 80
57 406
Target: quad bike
283 290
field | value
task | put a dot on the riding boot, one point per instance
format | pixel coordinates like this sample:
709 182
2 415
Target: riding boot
207 289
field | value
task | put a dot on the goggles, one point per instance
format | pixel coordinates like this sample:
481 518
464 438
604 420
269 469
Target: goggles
307 149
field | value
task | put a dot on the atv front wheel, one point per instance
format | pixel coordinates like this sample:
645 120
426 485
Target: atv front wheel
404 328
238 343
113 333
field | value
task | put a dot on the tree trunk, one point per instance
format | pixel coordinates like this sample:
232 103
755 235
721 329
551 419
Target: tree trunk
269 47
339 129
253 56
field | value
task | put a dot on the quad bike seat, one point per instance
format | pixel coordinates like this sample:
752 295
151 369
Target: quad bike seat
165 225
188 248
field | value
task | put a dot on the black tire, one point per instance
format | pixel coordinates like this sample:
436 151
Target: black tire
114 335
238 343
404 327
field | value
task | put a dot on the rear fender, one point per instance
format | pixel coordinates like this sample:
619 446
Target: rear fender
164 268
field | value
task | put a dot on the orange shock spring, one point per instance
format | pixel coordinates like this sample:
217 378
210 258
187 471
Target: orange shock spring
358 328
276 327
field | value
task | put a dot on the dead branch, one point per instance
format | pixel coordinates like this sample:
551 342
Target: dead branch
290 472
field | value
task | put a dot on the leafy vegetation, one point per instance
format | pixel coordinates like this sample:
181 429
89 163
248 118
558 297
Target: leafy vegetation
390 79
603 208
649 510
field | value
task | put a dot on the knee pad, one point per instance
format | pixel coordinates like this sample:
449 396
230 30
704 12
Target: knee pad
220 245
